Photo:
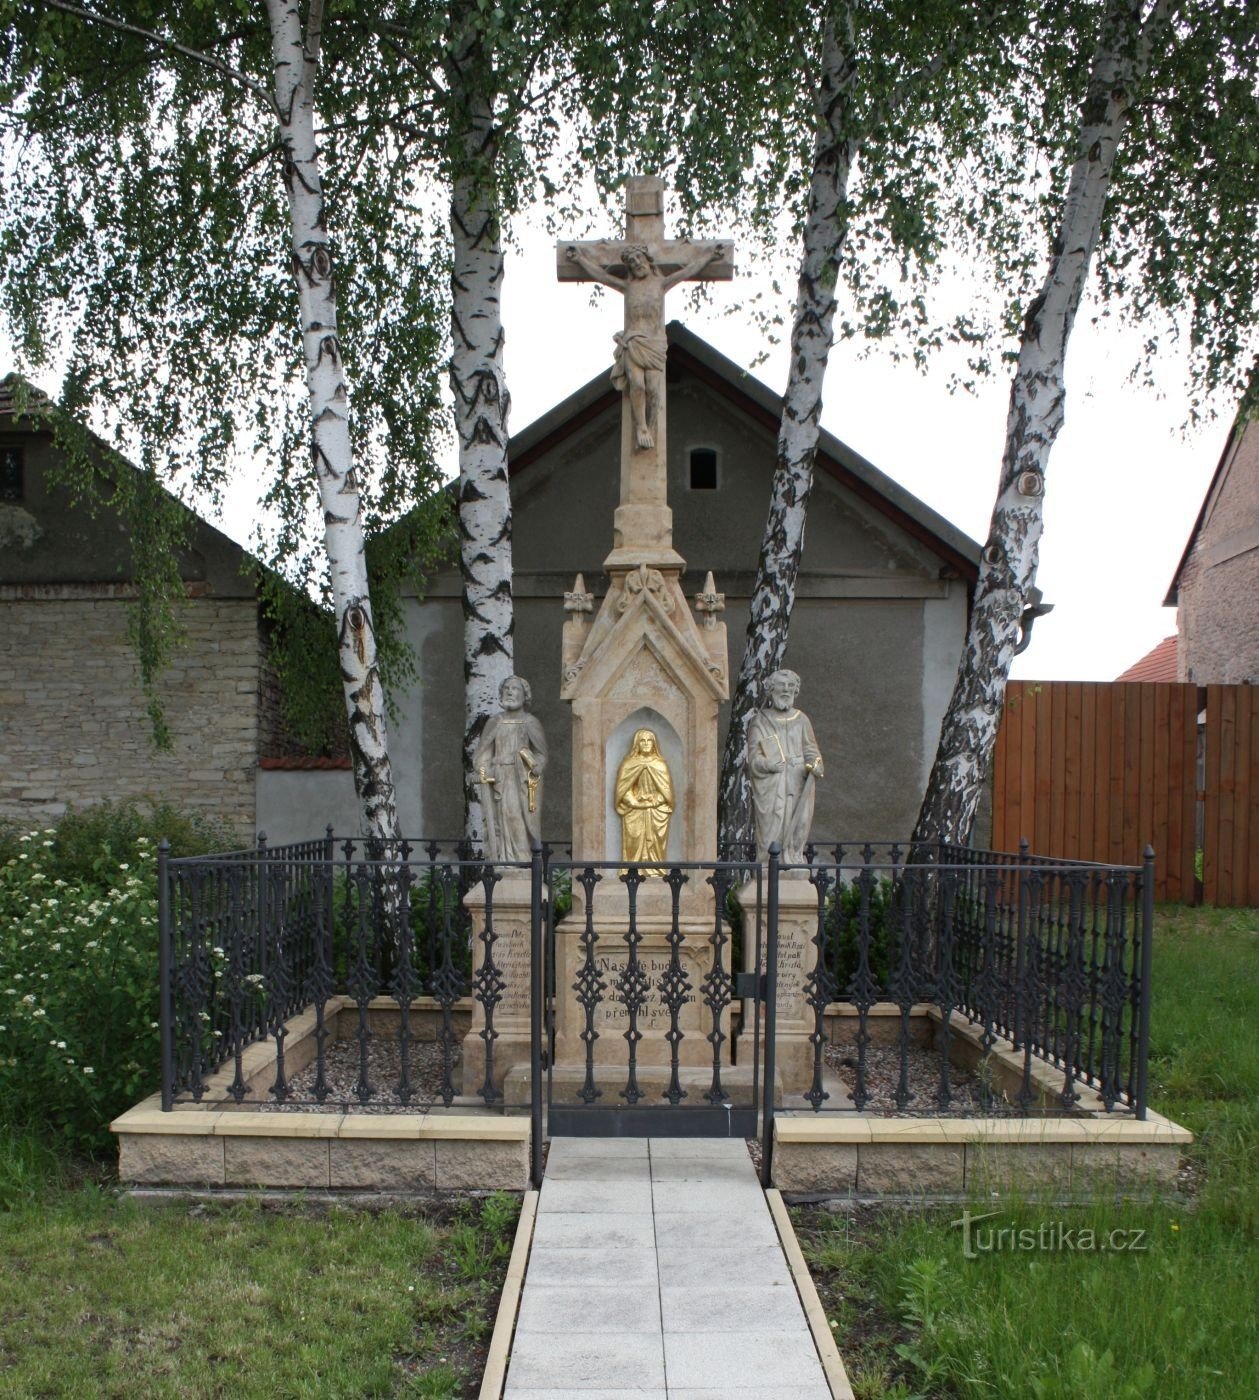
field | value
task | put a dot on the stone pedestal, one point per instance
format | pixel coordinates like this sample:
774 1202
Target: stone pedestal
507 912
610 954
797 956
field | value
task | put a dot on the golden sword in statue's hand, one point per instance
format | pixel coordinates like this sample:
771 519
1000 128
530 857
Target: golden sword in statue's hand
532 780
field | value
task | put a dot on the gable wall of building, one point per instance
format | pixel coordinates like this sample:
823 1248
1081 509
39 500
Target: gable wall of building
875 635
1217 619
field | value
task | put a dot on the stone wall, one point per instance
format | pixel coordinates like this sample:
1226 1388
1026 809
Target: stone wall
76 730
1219 581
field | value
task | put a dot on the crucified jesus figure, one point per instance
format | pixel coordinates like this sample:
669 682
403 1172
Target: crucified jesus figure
639 358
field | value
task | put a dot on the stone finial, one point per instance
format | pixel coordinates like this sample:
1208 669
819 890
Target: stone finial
643 580
579 601
708 602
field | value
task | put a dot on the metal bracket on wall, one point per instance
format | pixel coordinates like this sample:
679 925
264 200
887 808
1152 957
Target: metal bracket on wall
750 984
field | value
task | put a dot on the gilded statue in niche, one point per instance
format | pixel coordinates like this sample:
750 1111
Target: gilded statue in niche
644 803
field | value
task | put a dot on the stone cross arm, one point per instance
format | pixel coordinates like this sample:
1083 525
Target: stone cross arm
669 256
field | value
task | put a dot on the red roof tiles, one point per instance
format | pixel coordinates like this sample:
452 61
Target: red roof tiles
1156 665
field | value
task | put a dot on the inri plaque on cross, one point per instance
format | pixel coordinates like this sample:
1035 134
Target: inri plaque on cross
643 267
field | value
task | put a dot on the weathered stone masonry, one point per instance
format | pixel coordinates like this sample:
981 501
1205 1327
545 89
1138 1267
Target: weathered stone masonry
75 729
1218 580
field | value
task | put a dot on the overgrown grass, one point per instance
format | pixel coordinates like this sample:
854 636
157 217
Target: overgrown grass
1178 1317
104 1296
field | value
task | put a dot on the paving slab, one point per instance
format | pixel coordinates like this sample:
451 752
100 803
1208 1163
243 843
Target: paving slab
566 1308
599 1197
599 1168
718 1149
705 1197
699 1168
648 1257
736 1392
585 1361
718 1229
550 1393
592 1268
713 1309
701 1265
563 1148
586 1230
748 1361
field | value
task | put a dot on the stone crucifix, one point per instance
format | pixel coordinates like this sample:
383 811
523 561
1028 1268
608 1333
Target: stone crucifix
643 267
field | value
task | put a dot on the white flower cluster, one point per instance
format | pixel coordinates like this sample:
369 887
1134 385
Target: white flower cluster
64 948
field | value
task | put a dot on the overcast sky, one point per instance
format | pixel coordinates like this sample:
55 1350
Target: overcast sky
1124 485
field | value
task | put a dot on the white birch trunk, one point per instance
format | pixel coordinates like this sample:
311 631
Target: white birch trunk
481 398
1007 570
774 592
295 63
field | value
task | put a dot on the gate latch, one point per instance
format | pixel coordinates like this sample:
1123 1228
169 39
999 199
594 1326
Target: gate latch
750 984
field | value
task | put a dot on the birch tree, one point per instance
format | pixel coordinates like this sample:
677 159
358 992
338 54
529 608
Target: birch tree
514 76
1207 59
295 62
856 101
290 100
481 400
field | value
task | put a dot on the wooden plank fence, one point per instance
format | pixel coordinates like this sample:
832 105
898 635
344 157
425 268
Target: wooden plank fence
1093 770
1230 818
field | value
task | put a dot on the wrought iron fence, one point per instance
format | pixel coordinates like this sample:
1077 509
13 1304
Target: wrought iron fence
1051 958
653 950
252 939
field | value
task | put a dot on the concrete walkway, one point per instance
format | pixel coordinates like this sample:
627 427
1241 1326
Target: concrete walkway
656 1272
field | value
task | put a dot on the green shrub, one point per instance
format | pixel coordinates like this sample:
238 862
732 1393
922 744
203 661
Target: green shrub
78 963
91 844
78 990
843 925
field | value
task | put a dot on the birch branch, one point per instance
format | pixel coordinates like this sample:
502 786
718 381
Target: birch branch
162 41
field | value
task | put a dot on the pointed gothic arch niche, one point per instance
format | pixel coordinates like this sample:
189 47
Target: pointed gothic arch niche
671 747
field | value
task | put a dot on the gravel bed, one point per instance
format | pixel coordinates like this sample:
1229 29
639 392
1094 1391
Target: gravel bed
384 1062
883 1072
341 1072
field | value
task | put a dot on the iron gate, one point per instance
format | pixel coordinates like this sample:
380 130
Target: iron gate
652 1019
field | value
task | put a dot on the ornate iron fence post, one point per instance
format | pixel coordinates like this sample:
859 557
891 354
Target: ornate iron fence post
537 990
771 1014
166 991
1143 1012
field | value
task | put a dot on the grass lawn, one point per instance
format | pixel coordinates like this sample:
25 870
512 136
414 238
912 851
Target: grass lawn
1178 1317
102 1296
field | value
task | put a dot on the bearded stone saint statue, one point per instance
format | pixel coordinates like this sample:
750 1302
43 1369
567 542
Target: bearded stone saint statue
783 765
509 762
644 803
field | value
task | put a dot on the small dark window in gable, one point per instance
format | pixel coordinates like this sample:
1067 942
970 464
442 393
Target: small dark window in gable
703 469
10 473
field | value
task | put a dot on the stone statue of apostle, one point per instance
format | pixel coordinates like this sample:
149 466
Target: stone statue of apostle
509 762
783 766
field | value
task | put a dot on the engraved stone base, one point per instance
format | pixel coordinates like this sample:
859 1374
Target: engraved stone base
509 918
609 1017
797 928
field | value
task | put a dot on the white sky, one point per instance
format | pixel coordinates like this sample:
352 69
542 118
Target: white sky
1124 484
